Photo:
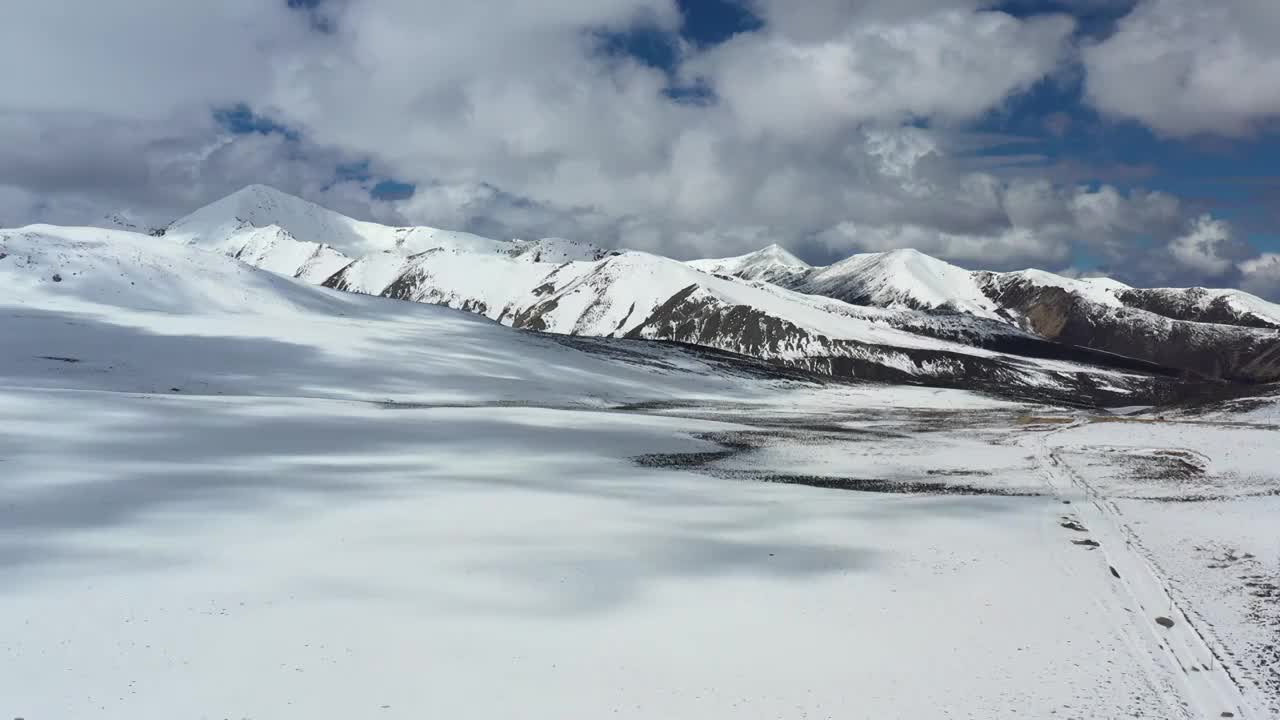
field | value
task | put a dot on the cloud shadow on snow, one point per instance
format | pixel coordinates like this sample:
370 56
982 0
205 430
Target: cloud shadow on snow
76 467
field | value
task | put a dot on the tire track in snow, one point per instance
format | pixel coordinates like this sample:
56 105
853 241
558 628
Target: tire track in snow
1208 688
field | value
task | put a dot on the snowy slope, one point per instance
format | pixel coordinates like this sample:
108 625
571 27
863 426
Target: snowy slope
274 249
905 299
235 494
261 206
1229 307
101 309
900 278
737 304
905 279
1247 303
1098 290
1225 334
618 295
554 284
1219 343
97 272
295 559
772 264
282 233
121 269
611 297
555 250
624 295
495 286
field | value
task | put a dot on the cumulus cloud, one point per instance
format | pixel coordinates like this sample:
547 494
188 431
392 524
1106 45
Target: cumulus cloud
1188 66
1028 222
809 127
1006 249
834 127
1203 248
142 58
75 168
937 64
1261 275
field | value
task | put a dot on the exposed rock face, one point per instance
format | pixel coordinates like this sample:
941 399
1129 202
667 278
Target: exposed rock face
1027 319
1196 305
1226 351
531 318
340 280
898 315
691 317
1218 334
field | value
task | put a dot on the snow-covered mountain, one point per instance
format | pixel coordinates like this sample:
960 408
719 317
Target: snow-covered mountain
110 275
300 231
185 434
1223 307
899 315
1213 333
772 264
899 278
639 295
913 318
1109 316
563 286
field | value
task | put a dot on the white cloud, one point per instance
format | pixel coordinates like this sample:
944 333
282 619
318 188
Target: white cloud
79 167
1203 247
1013 247
511 122
141 58
1261 275
949 64
535 114
1190 66
1019 223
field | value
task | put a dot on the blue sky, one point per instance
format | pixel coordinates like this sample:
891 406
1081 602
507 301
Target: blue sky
1232 177
1229 177
1135 137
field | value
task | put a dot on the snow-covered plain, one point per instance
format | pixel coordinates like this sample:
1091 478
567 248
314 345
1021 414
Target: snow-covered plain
1191 505
228 494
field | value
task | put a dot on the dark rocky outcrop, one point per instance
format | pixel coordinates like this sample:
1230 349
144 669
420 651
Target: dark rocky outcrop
1218 351
1194 305
690 317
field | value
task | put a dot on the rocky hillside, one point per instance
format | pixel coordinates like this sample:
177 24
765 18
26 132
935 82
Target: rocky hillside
899 314
1217 334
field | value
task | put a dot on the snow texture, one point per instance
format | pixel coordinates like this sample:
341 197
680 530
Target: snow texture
233 494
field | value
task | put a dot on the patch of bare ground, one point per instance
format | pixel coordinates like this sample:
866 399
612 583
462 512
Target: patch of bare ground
1258 584
736 443
1102 419
1044 420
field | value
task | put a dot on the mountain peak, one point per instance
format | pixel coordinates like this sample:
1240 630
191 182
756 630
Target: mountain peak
266 203
264 190
903 256
253 205
906 252
907 261
770 263
905 277
775 253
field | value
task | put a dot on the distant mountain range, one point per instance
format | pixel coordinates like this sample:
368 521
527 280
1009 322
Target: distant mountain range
899 316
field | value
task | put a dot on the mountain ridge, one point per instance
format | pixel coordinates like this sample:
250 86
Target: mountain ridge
108 277
473 273
901 313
